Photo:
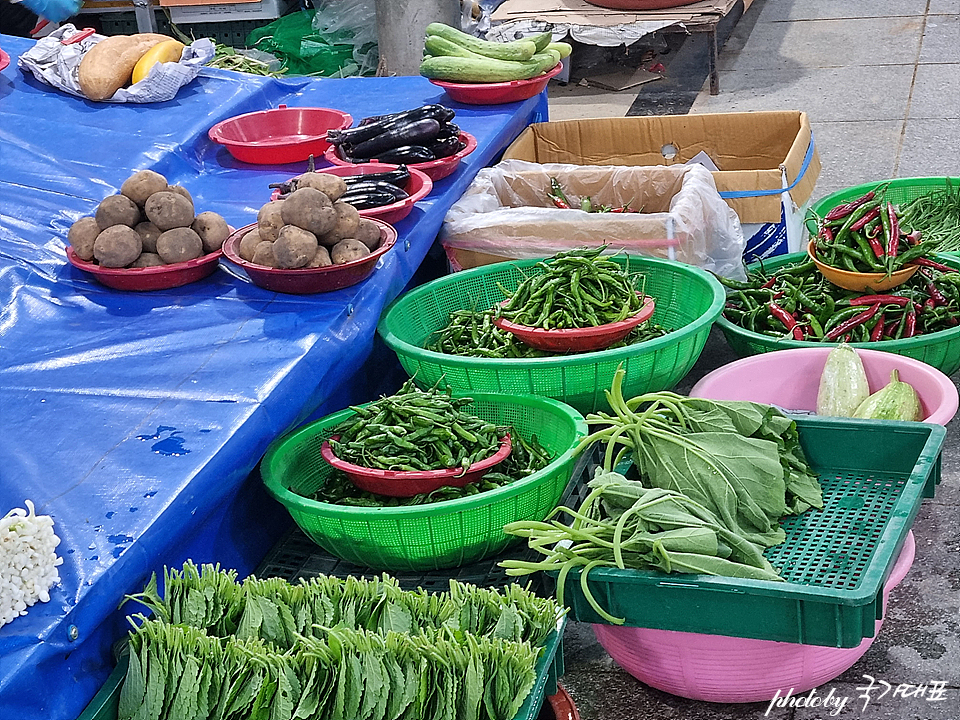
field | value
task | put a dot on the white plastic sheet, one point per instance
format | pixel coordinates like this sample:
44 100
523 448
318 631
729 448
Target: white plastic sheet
56 64
506 212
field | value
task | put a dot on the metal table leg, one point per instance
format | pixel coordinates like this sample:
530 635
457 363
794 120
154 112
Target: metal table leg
146 20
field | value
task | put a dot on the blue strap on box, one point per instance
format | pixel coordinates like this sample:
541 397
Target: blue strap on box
726 195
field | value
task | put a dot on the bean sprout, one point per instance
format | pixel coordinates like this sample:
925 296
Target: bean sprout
28 561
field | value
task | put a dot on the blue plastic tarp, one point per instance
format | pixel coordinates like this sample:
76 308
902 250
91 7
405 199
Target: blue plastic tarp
135 419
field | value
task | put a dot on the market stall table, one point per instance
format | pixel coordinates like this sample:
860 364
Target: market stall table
136 419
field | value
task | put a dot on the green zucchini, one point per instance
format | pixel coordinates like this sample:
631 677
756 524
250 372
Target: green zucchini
461 69
518 51
541 41
561 47
441 47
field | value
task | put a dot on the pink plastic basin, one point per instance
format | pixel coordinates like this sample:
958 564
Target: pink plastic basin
724 669
790 379
4 59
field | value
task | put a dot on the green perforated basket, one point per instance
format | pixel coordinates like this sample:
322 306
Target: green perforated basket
939 349
900 190
835 561
440 535
687 299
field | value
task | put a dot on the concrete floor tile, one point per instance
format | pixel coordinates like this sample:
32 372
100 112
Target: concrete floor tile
781 10
941 39
815 43
944 7
930 147
936 92
856 152
828 94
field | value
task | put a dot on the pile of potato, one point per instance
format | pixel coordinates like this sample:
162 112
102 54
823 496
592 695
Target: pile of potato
310 228
150 223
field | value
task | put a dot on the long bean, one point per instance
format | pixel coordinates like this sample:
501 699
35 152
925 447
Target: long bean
936 216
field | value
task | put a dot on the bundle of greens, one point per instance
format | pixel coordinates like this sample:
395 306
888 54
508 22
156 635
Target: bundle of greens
328 648
180 673
715 479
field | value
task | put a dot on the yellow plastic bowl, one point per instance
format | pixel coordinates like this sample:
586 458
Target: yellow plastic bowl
861 282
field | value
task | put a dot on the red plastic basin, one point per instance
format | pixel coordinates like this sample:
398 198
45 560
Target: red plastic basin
161 277
304 281
497 93
4 59
417 187
398 483
587 339
559 706
280 136
435 169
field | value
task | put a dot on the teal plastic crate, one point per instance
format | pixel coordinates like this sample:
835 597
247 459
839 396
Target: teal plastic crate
835 561
549 670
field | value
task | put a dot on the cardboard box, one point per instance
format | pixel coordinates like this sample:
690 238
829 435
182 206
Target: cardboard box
768 161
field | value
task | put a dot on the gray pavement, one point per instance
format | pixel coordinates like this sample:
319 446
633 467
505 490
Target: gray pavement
880 80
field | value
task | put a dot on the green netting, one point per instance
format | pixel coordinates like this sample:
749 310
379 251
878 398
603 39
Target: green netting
302 49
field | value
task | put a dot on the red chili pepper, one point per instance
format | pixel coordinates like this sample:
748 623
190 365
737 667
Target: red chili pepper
769 283
893 242
892 326
862 222
841 211
928 304
874 232
826 233
926 262
913 238
911 327
853 322
797 332
875 245
882 299
782 315
779 294
935 294
877 331
559 203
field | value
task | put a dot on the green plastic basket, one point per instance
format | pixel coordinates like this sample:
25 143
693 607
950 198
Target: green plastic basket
687 298
105 704
900 190
874 475
426 537
939 349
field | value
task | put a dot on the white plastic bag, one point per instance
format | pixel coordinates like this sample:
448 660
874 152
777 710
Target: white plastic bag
507 213
351 22
56 64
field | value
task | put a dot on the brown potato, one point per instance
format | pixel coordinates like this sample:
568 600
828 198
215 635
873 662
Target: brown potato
295 247
330 185
309 209
320 259
82 235
369 233
141 185
117 210
264 254
269 221
248 245
212 229
347 250
148 234
181 191
117 246
148 259
179 245
168 210
348 223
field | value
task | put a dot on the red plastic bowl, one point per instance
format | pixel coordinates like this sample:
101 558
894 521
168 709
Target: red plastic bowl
161 277
4 59
277 137
578 339
304 281
397 483
497 93
435 169
418 187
